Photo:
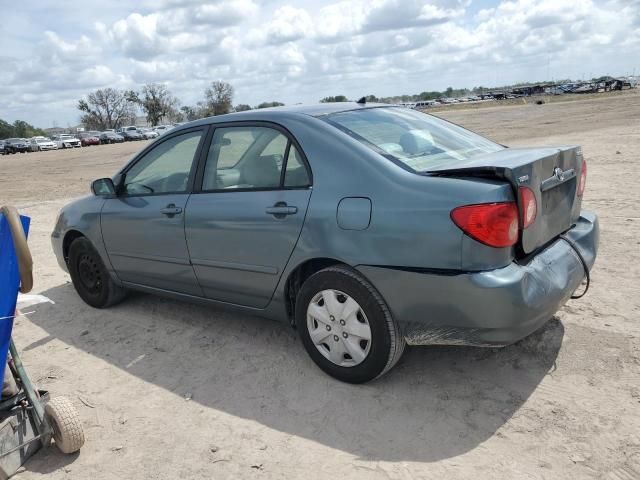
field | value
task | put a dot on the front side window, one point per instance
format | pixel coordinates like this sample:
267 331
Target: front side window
417 140
250 158
166 168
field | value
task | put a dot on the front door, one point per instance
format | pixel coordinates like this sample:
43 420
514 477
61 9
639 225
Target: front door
242 227
143 228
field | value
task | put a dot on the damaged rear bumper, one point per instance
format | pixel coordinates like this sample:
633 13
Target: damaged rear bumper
491 308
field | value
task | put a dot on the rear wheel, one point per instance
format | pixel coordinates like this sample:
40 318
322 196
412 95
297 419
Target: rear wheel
346 327
90 277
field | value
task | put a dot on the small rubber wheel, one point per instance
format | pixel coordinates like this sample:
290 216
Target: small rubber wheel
346 326
90 277
65 423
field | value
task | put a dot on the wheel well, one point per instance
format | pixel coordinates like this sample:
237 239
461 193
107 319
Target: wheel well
69 237
298 276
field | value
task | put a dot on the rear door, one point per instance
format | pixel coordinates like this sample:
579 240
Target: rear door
243 225
143 227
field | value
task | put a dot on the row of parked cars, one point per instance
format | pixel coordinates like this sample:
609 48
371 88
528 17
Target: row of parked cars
81 139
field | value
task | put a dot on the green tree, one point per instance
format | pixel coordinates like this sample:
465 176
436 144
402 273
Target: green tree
243 107
429 95
189 113
218 98
106 108
6 129
19 129
156 101
337 98
270 104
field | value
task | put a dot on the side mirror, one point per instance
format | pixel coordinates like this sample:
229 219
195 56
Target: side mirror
103 186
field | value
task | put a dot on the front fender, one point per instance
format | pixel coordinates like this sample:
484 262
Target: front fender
82 217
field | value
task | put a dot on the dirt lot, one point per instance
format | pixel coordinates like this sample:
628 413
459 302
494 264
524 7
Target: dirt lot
168 390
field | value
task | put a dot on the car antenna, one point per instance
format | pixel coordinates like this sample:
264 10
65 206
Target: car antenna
362 101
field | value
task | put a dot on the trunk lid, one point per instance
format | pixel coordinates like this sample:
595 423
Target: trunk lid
552 173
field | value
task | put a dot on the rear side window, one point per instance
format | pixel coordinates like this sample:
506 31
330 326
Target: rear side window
296 174
417 140
252 158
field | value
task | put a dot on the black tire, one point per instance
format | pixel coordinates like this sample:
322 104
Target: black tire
90 277
387 343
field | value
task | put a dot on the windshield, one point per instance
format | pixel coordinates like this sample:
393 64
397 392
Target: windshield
416 140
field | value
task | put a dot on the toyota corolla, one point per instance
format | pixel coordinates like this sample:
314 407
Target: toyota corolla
366 227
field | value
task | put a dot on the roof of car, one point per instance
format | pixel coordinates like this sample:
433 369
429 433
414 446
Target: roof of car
273 113
319 109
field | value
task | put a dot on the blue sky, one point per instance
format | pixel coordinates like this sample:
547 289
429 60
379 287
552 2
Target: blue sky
54 52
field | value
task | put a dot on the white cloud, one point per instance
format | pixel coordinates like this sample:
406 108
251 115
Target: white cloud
137 36
289 24
299 50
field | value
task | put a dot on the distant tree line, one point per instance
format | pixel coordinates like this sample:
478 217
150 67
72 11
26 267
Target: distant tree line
449 92
112 108
18 129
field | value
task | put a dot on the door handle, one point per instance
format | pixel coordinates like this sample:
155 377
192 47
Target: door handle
281 210
171 210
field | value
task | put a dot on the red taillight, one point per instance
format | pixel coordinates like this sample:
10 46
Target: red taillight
583 178
494 224
529 206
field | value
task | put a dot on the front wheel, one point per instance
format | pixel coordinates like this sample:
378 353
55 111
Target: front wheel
346 326
90 277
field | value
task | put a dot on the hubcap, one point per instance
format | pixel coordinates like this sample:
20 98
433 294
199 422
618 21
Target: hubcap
89 273
345 342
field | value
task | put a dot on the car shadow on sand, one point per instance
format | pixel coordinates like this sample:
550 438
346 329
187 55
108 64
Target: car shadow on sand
437 403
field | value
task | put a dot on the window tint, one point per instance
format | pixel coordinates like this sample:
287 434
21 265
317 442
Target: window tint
166 168
296 174
245 157
231 146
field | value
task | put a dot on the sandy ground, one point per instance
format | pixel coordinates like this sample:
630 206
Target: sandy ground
169 390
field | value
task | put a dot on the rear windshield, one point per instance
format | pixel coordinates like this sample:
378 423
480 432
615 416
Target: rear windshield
416 140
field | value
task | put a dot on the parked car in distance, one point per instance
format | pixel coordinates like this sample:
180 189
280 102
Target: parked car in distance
148 134
418 231
161 129
38 144
2 151
425 104
66 140
16 145
88 138
110 137
130 135
130 128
